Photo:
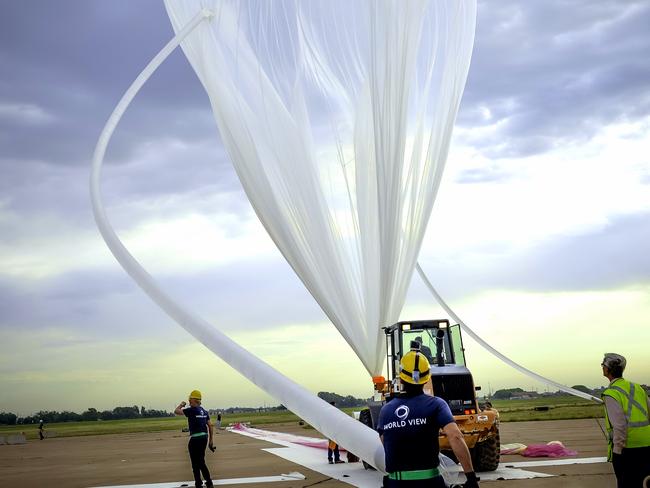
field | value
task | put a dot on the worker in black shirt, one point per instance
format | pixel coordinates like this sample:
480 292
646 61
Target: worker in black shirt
409 425
201 435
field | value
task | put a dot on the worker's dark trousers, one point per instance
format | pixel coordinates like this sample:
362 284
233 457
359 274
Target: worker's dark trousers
631 467
197 447
335 451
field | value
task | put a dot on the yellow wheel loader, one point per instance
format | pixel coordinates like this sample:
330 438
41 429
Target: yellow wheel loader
442 344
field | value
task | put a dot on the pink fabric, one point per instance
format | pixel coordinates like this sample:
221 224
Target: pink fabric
547 450
314 442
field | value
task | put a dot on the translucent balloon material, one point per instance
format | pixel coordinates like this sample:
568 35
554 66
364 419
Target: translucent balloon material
337 116
492 350
325 418
450 471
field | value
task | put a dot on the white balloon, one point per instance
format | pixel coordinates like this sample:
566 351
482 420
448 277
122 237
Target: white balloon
337 116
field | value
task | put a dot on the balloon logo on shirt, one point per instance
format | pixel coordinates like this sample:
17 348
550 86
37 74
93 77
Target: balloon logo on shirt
402 412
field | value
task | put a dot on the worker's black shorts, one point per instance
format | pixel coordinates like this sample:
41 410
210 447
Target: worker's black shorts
437 482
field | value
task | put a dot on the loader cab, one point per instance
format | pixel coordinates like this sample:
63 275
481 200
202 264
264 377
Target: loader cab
442 344
428 333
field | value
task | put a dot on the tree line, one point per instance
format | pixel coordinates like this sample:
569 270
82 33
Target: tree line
342 401
52 416
509 393
235 410
135 412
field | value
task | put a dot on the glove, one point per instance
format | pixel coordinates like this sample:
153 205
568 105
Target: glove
472 480
211 447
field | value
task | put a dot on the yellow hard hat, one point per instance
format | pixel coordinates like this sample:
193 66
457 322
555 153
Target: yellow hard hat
414 368
196 395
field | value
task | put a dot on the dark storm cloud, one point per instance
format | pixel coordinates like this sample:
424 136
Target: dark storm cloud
552 73
73 60
548 72
65 65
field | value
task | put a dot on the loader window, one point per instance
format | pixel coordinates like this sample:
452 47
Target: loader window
427 337
427 347
457 345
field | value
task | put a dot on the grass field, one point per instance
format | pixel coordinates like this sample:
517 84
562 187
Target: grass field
559 408
68 429
510 411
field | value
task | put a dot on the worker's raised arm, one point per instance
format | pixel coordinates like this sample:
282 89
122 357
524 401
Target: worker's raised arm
179 409
455 437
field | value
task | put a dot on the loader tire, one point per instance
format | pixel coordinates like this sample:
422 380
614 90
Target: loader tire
486 454
366 419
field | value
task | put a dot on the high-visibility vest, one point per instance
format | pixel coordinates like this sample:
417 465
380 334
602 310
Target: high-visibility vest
633 400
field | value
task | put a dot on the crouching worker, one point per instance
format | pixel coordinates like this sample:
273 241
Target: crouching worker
201 435
409 426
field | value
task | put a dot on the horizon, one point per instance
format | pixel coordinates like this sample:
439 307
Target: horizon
264 407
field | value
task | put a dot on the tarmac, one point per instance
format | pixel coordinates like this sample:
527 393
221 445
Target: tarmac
161 458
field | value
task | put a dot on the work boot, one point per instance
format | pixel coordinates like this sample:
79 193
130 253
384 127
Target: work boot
330 461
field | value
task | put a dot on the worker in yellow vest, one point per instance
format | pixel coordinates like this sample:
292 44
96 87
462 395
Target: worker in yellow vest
627 410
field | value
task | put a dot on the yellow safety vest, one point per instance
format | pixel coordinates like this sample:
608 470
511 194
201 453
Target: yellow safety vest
633 401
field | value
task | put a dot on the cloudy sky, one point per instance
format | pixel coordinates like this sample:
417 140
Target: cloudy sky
539 238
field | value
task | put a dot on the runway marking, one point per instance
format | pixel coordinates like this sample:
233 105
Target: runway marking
556 462
232 481
353 473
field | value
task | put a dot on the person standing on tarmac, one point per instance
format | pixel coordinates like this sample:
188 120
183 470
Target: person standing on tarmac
409 426
627 418
201 435
333 454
